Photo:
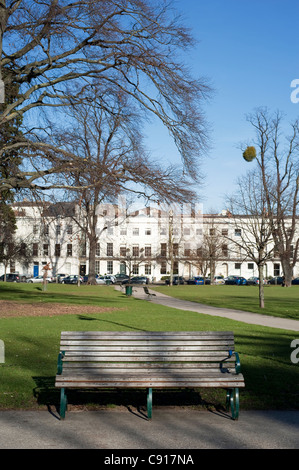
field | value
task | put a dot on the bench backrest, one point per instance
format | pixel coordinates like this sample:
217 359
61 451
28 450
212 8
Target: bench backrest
198 348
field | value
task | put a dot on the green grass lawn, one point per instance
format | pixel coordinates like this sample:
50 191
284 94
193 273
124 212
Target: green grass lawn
32 346
279 301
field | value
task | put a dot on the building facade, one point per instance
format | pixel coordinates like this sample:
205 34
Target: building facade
150 241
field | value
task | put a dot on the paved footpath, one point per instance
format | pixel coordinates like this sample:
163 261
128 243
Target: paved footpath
177 429
239 315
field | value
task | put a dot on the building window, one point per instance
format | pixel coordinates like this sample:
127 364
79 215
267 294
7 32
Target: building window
238 232
175 249
163 231
147 269
250 266
98 250
224 232
109 249
136 251
135 232
147 251
175 267
135 269
148 231
199 231
69 249
224 251
110 230
163 267
187 250
35 249
163 249
35 229
46 250
186 231
83 249
123 231
45 230
97 266
123 250
58 229
57 250
237 265
276 268
109 267
69 229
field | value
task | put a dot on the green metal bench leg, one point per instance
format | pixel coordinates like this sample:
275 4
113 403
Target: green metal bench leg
232 401
149 403
63 403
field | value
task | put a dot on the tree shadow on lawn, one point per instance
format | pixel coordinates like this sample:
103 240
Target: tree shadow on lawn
37 294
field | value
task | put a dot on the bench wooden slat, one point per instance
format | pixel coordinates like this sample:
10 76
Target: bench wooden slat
199 343
129 335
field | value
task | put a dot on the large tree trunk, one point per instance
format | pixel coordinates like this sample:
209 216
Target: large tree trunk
287 270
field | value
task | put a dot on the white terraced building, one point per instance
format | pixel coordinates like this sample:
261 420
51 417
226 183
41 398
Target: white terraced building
140 241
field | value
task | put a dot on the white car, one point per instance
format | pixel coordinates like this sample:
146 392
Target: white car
100 280
38 279
219 280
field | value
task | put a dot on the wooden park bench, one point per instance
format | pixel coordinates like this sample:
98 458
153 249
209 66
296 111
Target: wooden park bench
149 359
148 293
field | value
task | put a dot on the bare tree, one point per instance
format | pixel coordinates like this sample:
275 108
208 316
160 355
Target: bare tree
113 162
210 250
54 52
249 219
279 173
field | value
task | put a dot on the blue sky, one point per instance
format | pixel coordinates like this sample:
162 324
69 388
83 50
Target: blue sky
249 50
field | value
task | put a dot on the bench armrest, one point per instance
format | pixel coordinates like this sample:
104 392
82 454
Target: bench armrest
237 362
60 363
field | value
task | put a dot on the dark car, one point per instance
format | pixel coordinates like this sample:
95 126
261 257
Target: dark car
136 280
197 280
11 277
176 280
276 280
120 278
295 281
71 279
236 280
253 281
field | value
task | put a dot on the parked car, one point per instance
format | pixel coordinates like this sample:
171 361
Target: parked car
73 279
137 280
120 278
109 278
99 279
276 280
254 281
197 280
236 280
38 279
219 280
295 281
59 277
11 277
176 280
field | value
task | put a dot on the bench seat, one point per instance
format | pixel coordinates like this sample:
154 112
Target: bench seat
149 360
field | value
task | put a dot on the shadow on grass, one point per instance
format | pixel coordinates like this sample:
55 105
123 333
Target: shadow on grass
35 293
